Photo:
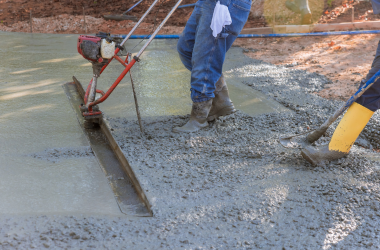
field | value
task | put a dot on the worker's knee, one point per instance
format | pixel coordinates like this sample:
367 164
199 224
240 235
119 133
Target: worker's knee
180 46
185 53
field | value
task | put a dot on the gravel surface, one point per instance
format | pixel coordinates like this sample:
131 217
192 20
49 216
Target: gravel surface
231 185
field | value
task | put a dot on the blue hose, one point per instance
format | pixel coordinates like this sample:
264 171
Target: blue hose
186 5
132 7
334 33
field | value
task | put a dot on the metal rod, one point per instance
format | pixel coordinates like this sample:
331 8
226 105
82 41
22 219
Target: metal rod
132 7
114 85
353 16
158 29
138 23
136 105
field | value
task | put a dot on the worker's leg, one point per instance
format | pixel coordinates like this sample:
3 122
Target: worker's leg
351 125
371 98
209 52
207 57
348 130
186 41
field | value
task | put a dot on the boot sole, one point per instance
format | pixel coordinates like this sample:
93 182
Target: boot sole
306 156
181 130
223 112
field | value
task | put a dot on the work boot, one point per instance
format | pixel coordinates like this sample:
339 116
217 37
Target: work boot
198 117
222 104
345 135
300 7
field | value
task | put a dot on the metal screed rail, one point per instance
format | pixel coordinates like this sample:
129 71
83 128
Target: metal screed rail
89 111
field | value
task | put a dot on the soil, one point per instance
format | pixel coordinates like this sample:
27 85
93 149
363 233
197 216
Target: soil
15 15
313 54
344 60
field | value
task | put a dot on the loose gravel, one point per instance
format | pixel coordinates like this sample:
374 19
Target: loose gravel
231 185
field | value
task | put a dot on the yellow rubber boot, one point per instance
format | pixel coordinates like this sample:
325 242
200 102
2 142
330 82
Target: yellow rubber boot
348 130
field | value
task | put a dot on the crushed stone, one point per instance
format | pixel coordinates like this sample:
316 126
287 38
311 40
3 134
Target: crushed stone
230 185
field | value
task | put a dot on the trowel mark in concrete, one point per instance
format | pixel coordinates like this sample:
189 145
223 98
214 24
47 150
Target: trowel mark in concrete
57 154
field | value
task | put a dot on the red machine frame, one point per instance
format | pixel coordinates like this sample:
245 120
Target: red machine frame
127 64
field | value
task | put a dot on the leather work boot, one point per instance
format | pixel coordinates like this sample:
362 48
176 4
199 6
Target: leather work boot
300 7
198 117
222 104
348 130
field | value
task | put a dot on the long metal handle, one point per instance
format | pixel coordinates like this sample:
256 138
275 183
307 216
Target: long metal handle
315 135
138 23
132 7
158 29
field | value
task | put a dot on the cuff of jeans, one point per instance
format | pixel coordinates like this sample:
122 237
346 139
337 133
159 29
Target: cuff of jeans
202 99
199 97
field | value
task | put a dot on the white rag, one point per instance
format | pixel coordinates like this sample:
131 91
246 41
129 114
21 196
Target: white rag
220 18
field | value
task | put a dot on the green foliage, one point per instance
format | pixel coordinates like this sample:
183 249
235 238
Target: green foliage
329 2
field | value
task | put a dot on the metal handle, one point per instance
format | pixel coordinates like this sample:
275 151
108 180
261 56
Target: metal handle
139 22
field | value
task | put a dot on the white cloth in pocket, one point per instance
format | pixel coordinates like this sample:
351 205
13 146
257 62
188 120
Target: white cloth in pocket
220 18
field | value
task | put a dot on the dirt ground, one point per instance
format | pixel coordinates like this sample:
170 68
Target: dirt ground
262 12
345 60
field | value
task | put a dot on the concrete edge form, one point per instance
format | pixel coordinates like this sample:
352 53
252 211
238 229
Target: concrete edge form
119 154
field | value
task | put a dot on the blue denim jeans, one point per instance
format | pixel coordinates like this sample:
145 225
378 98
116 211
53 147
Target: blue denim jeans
371 98
201 52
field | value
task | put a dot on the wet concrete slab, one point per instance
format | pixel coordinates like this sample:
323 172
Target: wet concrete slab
46 164
163 85
44 159
231 180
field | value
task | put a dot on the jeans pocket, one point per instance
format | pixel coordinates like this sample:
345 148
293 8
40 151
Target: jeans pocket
239 11
244 5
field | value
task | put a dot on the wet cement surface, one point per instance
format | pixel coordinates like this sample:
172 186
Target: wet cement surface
163 85
231 185
46 163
